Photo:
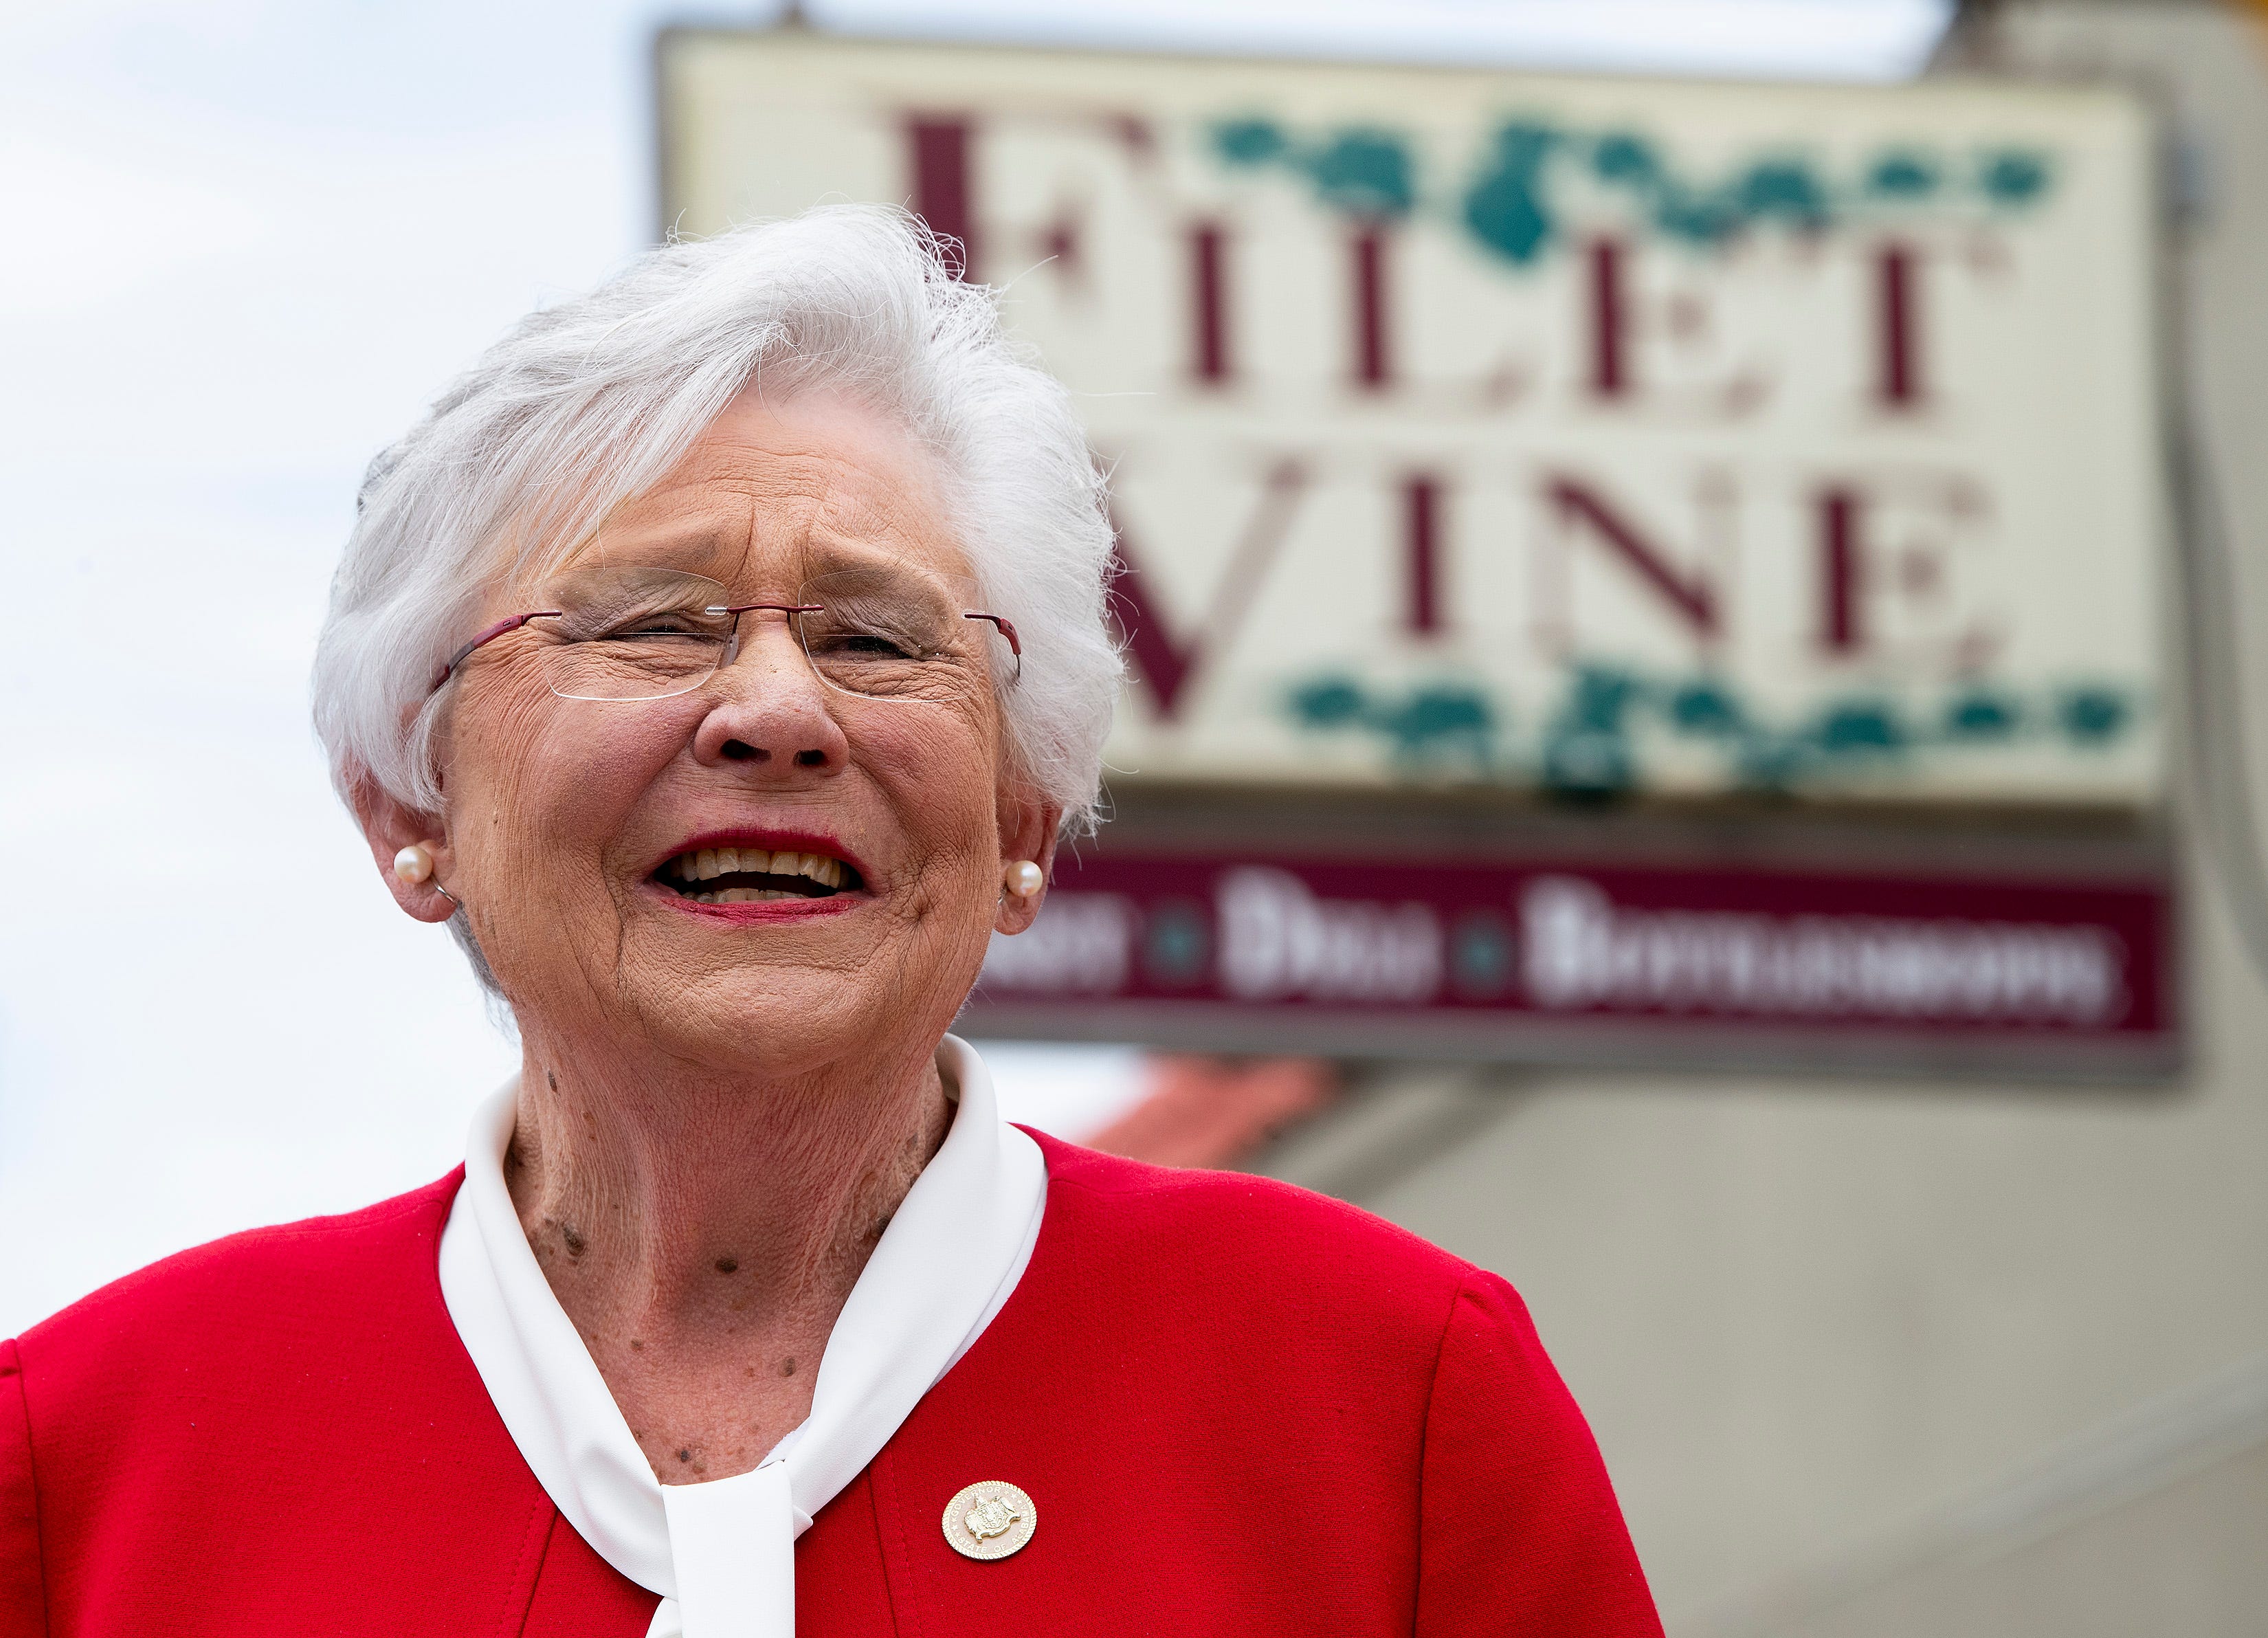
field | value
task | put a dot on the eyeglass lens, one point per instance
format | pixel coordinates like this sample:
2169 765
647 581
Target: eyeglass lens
880 633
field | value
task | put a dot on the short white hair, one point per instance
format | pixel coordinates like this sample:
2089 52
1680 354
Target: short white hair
590 401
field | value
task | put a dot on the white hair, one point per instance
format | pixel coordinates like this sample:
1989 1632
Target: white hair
588 402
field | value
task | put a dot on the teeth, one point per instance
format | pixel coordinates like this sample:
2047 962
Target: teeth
717 861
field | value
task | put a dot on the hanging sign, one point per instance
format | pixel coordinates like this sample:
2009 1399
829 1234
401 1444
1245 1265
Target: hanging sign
1536 433
1585 959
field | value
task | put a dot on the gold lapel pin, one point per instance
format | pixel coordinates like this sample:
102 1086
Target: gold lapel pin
989 1520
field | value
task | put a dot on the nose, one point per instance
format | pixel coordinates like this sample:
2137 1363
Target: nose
771 712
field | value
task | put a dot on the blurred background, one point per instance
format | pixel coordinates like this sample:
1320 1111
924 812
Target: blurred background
1694 575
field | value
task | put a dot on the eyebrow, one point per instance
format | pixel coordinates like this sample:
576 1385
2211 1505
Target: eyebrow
706 540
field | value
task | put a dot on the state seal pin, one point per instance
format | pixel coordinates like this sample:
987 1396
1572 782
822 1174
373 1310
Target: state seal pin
990 1519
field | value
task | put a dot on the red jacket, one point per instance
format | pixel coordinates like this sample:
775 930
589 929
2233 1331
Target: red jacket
1238 1407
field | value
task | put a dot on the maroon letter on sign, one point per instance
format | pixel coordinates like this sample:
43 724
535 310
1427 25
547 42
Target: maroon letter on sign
1839 569
1374 360
1421 511
1164 663
1208 300
1576 502
1610 320
1897 276
938 147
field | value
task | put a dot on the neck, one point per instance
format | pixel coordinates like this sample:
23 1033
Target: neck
703 1230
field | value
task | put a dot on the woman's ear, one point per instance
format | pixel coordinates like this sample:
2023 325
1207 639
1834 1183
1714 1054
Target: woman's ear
389 828
1027 828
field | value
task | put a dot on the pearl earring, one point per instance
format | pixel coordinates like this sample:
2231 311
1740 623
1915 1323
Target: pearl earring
414 863
1024 879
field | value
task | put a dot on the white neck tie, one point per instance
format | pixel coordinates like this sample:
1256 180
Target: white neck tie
722 1554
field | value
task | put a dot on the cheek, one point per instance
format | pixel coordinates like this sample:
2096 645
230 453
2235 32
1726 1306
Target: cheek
548 782
940 777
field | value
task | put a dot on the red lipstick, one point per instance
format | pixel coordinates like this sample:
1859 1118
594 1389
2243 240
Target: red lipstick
847 897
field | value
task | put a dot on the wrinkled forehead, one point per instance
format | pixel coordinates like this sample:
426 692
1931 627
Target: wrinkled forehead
762 502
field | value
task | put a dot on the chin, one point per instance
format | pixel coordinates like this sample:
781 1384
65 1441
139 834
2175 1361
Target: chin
771 1018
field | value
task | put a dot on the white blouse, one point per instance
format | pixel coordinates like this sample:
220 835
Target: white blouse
721 1554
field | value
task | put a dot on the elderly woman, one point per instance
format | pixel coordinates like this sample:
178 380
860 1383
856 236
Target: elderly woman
721 661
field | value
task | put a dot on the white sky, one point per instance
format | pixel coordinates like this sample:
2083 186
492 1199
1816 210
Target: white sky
242 243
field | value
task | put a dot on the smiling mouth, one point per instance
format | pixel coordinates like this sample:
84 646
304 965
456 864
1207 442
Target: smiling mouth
751 875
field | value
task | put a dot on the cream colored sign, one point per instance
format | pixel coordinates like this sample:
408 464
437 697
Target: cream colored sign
1583 434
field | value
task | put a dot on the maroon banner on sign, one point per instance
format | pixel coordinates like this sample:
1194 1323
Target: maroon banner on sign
1585 963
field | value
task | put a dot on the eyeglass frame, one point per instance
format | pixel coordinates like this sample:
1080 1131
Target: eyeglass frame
512 622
